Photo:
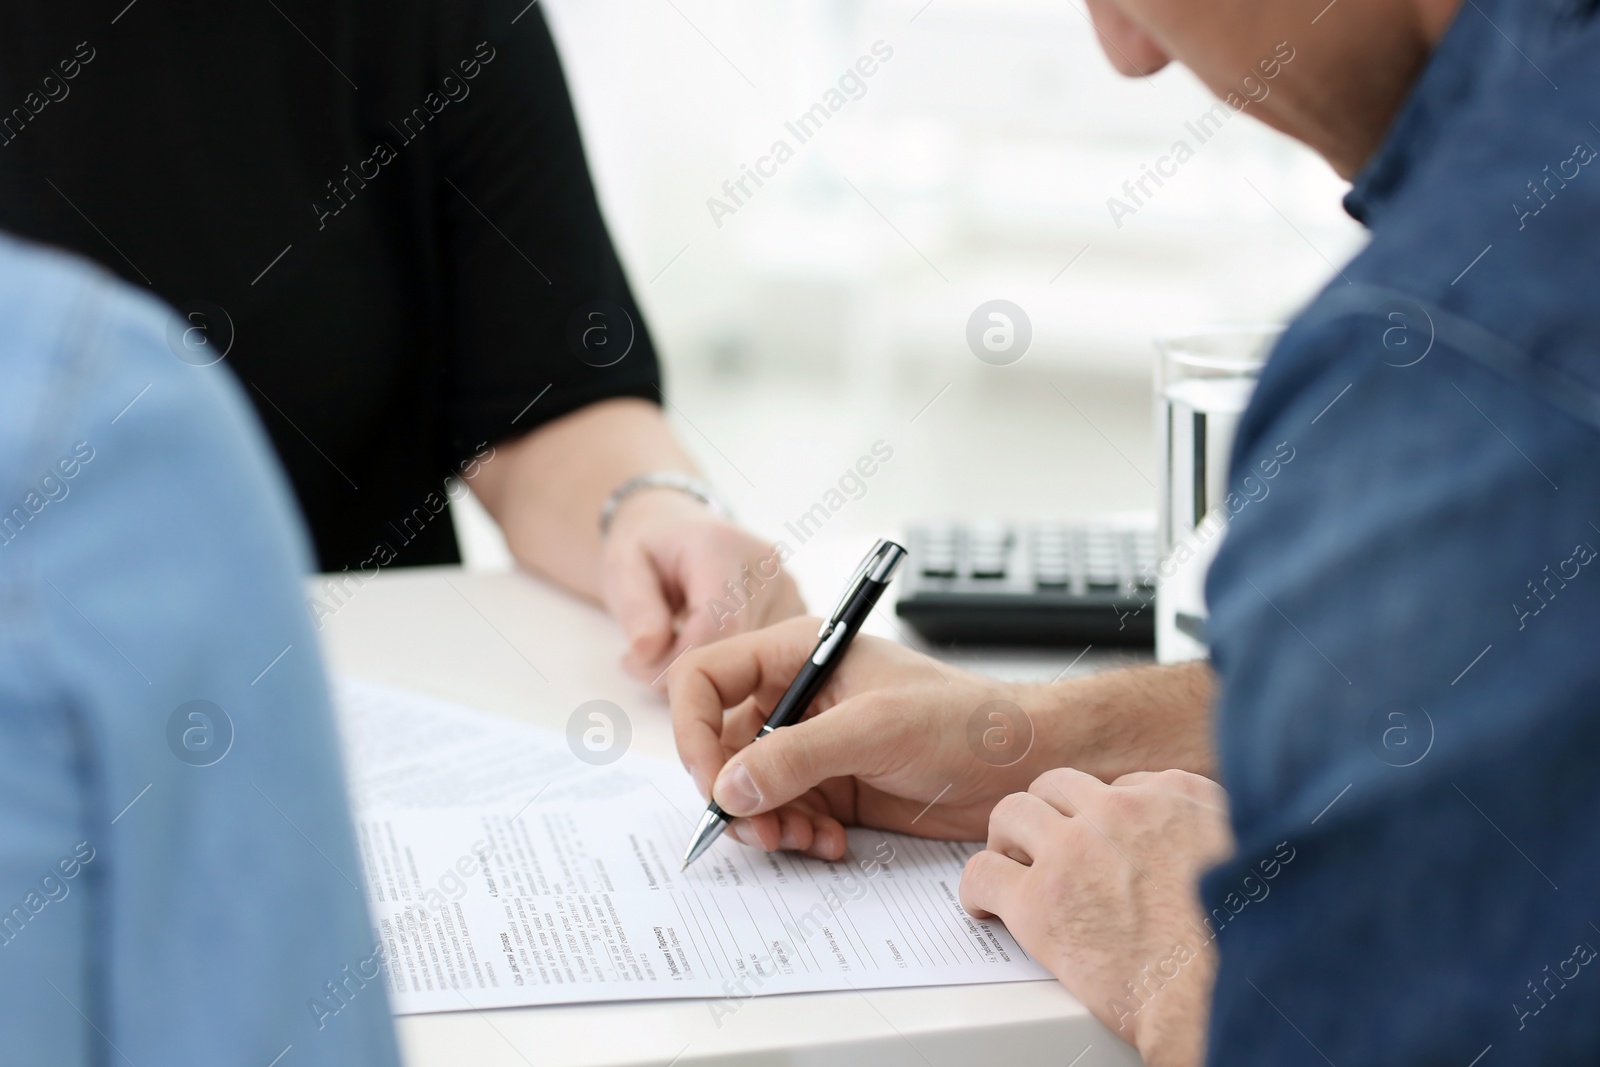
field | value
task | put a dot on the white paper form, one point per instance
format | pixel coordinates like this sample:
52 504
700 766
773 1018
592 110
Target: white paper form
408 750
577 896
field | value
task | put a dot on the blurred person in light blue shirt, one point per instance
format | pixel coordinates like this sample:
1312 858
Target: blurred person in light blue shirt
178 878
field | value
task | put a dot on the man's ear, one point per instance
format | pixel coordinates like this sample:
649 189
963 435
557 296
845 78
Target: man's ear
1132 52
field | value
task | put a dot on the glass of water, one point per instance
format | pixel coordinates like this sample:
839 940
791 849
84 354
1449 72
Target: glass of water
1203 382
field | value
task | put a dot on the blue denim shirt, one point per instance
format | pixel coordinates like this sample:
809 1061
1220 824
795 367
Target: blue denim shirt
178 879
1406 631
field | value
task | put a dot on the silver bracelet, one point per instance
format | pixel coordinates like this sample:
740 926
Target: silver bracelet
683 483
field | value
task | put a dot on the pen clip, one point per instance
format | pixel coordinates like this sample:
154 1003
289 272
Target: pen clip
878 565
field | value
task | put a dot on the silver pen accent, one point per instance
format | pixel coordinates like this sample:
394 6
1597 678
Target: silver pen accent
706 832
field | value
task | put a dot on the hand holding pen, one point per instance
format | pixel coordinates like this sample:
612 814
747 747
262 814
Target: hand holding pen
861 595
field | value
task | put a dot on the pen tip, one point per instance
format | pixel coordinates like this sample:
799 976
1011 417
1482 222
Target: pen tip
685 867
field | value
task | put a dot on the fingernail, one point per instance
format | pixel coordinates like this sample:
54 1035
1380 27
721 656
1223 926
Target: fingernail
737 792
787 839
736 830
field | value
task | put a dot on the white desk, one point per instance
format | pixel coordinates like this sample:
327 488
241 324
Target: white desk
511 645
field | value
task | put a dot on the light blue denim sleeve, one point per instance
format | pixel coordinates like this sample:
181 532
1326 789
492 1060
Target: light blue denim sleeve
178 876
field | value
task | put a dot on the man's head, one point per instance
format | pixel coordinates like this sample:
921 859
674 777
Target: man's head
1355 60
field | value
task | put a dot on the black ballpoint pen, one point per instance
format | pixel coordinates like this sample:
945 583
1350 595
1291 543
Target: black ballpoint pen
833 641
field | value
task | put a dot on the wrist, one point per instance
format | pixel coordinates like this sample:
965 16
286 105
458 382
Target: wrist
1172 1027
1129 719
1173 1050
656 492
1073 724
647 507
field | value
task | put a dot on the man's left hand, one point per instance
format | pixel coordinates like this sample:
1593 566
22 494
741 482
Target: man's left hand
1099 883
668 563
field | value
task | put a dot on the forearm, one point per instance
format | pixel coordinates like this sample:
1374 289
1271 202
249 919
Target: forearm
1119 721
546 489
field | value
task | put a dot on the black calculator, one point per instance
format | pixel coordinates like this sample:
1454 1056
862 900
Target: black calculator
992 582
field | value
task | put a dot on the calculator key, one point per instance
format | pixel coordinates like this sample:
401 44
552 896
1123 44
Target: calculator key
1044 581
988 564
1052 574
1102 577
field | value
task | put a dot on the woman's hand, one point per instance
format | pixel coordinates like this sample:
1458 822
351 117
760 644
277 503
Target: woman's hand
678 576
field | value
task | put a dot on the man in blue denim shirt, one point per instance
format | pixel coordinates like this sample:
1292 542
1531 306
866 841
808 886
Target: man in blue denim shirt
1407 634
178 878
1405 668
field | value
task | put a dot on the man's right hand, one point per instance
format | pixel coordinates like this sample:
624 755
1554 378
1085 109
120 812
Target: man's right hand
899 741
885 744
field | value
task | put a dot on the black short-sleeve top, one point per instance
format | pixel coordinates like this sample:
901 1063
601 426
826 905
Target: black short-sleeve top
380 212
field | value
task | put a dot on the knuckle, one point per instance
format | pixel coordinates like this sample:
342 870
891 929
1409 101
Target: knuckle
1005 807
691 661
978 879
1173 778
688 665
1055 778
1005 811
972 870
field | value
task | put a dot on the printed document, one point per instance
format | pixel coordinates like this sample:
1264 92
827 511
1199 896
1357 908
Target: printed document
502 870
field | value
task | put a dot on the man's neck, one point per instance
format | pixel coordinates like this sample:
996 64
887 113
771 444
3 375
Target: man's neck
1345 108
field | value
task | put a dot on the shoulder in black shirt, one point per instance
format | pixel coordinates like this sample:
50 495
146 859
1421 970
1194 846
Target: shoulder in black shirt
381 212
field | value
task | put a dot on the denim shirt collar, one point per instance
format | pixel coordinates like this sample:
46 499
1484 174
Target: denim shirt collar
1477 44
1445 83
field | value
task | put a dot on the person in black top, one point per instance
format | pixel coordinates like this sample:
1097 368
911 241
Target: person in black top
380 217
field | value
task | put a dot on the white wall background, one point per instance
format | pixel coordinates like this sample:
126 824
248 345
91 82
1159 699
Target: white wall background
829 309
